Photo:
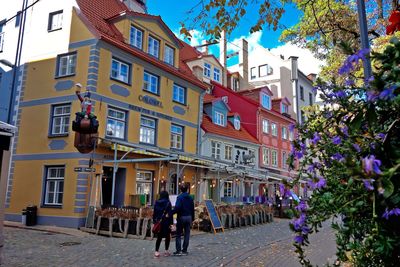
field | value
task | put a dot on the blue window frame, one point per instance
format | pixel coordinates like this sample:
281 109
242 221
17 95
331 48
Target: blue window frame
150 83
179 94
266 101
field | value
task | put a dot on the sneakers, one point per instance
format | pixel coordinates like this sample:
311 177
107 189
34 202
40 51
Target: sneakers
184 253
156 254
177 253
167 254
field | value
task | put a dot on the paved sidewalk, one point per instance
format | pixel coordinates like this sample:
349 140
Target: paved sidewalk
262 245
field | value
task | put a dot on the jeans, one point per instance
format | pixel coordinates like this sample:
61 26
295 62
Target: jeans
183 224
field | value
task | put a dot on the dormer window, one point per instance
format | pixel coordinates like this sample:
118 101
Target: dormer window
207 70
266 101
153 46
219 118
236 123
284 108
217 74
136 37
169 55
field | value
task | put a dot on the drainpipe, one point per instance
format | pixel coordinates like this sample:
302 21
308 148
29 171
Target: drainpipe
198 148
114 174
362 19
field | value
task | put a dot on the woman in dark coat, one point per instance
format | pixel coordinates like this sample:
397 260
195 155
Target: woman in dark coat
162 210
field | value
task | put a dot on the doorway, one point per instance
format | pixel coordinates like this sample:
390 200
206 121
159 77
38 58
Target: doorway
107 183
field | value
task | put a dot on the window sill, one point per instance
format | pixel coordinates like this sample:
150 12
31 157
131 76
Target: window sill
120 81
147 144
48 206
54 30
58 135
176 149
64 76
150 92
182 104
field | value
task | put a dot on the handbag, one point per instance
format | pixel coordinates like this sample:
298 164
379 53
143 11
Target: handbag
157 226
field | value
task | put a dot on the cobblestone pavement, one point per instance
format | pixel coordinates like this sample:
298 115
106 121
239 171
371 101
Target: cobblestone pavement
262 245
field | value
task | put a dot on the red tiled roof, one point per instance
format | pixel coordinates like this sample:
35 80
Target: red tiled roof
99 13
189 53
229 131
209 98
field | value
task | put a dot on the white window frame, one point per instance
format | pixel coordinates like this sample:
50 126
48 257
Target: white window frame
2 34
274 157
169 55
55 21
116 125
265 126
151 83
284 108
266 156
58 181
136 37
266 101
217 74
264 70
148 130
274 129
148 182
284 133
117 73
216 149
228 152
63 117
284 160
66 64
153 47
207 70
219 118
177 135
253 73
179 94
228 189
291 135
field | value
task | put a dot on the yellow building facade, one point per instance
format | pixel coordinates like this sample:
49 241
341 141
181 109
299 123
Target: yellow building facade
148 110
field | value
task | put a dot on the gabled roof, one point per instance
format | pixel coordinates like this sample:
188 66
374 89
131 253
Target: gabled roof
190 53
98 13
263 88
284 100
227 131
208 98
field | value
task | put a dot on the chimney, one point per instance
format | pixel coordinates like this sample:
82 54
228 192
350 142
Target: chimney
222 56
136 5
205 47
294 68
312 77
244 60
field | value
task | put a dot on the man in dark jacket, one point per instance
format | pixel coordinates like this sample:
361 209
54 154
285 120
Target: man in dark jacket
184 208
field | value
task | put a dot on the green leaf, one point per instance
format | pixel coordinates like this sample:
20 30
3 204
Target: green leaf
389 188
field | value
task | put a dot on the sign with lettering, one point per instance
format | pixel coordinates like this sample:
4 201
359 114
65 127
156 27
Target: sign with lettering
150 100
83 169
215 221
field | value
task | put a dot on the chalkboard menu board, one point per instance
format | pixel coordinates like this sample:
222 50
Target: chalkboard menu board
215 222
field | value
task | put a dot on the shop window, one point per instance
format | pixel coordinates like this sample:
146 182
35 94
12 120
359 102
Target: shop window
228 189
144 184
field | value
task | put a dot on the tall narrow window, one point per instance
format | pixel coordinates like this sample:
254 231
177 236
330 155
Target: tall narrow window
228 192
284 160
265 126
284 133
136 37
216 150
54 185
228 152
274 129
265 155
120 70
55 21
207 70
310 97
153 47
116 120
274 157
169 54
219 118
217 74
302 93
284 108
60 119
18 19
266 101
253 73
147 130
66 64
179 94
150 83
176 136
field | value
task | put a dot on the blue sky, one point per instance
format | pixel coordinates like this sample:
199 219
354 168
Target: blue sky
172 12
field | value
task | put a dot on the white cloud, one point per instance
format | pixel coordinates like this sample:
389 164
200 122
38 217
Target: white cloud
307 62
253 39
197 37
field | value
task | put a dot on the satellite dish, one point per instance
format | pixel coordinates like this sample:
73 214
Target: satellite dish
236 124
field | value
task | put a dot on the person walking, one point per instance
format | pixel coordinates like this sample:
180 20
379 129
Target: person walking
184 208
163 213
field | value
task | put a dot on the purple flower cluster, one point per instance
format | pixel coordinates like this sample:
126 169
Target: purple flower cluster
388 213
388 93
345 130
316 138
298 153
336 140
372 95
357 148
320 183
352 60
284 191
300 223
338 157
368 185
371 165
